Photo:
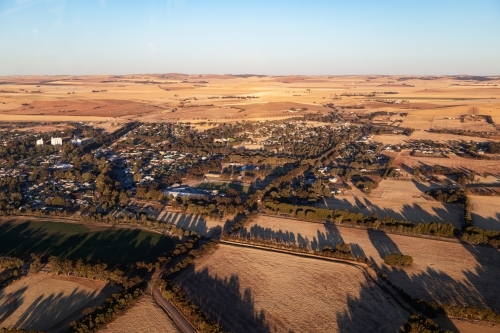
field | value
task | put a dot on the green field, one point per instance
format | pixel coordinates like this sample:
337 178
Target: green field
75 241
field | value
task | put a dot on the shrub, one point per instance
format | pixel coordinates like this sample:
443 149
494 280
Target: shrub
418 324
396 259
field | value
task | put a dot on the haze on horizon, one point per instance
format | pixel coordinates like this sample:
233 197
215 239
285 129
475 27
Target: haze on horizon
53 37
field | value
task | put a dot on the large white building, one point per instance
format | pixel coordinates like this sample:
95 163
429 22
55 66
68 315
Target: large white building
55 141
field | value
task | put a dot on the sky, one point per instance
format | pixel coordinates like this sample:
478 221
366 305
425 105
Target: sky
272 37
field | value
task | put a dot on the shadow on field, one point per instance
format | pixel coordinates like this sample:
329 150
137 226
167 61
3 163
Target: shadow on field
484 277
382 243
190 222
374 310
222 301
10 302
73 241
52 309
478 286
327 237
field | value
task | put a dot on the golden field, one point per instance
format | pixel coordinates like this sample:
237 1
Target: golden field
252 290
49 303
447 272
223 98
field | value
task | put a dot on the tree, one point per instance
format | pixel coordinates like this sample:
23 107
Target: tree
123 198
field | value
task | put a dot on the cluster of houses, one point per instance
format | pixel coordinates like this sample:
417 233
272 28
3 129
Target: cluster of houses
59 141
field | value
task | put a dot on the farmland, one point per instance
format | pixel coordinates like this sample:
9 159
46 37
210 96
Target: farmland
74 241
402 200
448 272
254 291
478 166
485 212
143 317
173 97
49 303
195 155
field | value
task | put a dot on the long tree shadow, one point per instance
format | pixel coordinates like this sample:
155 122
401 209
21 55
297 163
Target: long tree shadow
484 276
10 302
222 300
473 286
372 311
68 241
326 235
382 243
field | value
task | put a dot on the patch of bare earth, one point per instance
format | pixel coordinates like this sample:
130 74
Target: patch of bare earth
144 317
252 290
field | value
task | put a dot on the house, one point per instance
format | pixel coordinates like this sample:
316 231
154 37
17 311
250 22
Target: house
55 141
39 142
76 141
333 180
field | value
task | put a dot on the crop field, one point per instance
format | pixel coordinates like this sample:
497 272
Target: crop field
448 272
75 241
49 303
486 212
418 122
175 97
389 139
144 317
402 200
479 166
249 290
442 137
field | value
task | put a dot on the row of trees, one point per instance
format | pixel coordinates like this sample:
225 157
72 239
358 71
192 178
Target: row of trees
346 217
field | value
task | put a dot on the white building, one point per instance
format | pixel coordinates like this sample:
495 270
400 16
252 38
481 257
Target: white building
55 141
39 142
76 142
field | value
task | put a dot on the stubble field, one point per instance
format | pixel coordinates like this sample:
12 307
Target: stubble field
250 290
402 200
448 272
143 317
49 303
486 212
198 98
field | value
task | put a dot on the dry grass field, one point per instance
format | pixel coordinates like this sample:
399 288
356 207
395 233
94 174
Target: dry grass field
144 317
225 97
456 162
448 272
486 212
250 290
400 200
49 303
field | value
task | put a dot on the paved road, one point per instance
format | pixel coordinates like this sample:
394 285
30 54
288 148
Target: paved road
173 313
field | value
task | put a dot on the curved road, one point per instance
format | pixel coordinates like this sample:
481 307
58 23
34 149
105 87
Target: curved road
179 320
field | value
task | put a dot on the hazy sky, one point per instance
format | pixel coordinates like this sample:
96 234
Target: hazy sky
260 36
